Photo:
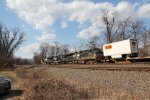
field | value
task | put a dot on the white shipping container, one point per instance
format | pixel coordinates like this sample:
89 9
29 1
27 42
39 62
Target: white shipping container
116 49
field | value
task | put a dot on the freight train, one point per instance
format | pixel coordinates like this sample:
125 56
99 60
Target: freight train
113 52
85 56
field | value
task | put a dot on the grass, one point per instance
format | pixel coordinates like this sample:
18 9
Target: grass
40 85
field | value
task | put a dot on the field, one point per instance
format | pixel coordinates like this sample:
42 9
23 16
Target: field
54 82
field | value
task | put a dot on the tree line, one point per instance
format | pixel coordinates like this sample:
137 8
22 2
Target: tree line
117 28
47 50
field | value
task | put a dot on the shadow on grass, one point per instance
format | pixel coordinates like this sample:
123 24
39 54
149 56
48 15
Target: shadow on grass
11 94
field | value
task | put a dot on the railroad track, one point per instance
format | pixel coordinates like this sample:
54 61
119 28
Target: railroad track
118 68
108 66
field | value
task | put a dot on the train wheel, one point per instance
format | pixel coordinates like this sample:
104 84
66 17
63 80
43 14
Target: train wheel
86 62
133 61
95 62
115 61
90 62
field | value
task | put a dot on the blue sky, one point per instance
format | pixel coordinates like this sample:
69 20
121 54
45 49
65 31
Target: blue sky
65 21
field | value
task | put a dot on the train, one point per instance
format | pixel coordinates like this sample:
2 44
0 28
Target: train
110 53
84 56
121 50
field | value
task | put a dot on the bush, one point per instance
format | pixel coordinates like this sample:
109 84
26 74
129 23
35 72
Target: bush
6 63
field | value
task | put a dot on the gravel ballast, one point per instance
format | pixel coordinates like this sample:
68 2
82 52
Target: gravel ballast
131 84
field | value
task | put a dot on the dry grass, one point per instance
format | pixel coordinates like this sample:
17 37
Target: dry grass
39 85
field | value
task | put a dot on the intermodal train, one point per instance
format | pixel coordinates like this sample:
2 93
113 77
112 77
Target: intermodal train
112 52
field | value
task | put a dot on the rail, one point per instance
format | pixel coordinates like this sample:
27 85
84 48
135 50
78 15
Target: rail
108 66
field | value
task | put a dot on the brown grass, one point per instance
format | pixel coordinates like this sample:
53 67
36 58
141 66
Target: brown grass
39 85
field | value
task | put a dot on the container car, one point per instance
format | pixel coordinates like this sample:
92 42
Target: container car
121 49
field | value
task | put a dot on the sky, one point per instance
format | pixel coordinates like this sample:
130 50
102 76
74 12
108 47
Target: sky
65 21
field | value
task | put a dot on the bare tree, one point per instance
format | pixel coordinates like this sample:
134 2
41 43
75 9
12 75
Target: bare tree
123 27
109 22
136 28
65 49
118 29
145 42
51 51
44 49
75 49
93 42
9 41
57 48
37 57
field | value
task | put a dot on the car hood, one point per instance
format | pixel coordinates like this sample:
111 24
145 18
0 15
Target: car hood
4 79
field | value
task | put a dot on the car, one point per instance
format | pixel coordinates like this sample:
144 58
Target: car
5 85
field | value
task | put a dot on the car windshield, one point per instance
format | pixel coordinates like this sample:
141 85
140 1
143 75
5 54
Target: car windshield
1 78
4 78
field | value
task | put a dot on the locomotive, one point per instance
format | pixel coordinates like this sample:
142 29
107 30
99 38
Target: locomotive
85 56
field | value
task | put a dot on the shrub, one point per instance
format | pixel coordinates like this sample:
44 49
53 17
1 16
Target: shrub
6 63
